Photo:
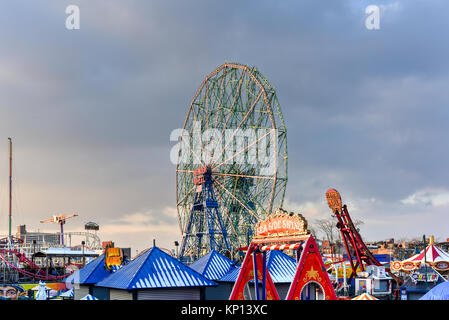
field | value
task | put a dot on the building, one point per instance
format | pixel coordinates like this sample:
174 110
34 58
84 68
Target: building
37 239
155 275
374 281
84 280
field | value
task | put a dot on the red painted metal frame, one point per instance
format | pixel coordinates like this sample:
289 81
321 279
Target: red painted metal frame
253 259
352 238
308 255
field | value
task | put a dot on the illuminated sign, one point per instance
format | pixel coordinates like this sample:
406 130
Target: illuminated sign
431 277
441 265
282 223
334 200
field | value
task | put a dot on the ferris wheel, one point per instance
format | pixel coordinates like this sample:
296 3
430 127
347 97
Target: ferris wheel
231 166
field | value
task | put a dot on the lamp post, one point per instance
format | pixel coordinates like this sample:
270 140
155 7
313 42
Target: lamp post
84 259
177 245
425 259
34 251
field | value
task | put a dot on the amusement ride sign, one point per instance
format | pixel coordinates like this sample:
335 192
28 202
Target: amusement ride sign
334 200
281 224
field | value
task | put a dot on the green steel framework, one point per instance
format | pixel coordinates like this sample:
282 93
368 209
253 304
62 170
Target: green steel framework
236 97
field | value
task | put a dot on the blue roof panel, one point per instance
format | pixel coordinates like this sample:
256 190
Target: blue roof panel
213 265
155 269
91 273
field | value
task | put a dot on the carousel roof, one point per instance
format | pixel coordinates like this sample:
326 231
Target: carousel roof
432 254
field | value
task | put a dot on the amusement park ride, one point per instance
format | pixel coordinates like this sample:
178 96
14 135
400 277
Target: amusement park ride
219 199
221 193
359 256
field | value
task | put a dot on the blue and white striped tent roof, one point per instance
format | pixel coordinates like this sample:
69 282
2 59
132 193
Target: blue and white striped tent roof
155 269
91 273
89 297
213 265
67 294
282 268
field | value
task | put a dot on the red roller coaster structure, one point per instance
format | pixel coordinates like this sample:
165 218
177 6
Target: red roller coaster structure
40 274
37 271
361 255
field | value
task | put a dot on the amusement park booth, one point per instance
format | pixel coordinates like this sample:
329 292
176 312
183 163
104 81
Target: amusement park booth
85 279
215 266
281 231
155 275
374 281
420 282
281 267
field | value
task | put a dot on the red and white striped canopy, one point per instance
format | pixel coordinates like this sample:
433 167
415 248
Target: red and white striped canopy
281 247
433 255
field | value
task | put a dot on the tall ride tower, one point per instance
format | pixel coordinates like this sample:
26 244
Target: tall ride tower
205 229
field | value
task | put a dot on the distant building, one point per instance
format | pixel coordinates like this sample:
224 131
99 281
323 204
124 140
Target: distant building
41 239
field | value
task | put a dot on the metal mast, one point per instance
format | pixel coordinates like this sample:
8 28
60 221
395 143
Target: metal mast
10 190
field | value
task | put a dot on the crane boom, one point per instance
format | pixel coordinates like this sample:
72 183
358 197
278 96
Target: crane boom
60 219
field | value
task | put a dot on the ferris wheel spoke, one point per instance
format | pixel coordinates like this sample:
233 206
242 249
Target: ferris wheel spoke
237 153
194 153
241 176
227 216
239 126
240 202
200 139
233 102
207 116
221 97
185 171
186 195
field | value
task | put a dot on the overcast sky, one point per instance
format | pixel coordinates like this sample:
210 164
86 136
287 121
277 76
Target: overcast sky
90 111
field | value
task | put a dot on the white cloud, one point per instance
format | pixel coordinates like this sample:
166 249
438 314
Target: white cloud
429 197
309 209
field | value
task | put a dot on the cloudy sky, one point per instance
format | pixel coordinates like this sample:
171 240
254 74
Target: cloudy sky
90 111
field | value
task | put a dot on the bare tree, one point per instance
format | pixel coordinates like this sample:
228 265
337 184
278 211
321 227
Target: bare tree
329 231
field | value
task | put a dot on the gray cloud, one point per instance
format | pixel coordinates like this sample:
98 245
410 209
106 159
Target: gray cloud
91 110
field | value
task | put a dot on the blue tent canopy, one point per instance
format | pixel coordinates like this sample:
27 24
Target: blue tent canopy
439 292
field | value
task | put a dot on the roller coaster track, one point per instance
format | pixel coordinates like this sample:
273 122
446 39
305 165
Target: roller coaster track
40 274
